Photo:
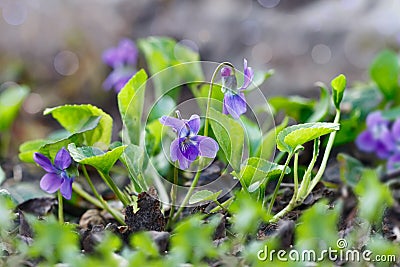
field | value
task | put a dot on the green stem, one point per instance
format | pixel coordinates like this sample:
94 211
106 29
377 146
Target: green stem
279 183
326 155
100 198
78 189
295 174
305 183
210 92
220 205
188 194
173 197
223 205
114 188
60 208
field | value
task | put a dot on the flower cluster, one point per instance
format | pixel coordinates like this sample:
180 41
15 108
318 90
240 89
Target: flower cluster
188 145
56 177
122 59
234 102
383 138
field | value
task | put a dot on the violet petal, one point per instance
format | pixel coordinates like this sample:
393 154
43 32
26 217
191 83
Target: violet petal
44 162
226 71
66 188
396 129
375 118
174 149
382 151
235 104
189 150
393 163
208 147
194 124
50 183
62 160
366 142
175 123
248 76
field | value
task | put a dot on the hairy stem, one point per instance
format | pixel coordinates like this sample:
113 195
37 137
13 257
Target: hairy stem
60 208
114 188
326 156
279 183
100 198
78 189
173 197
188 195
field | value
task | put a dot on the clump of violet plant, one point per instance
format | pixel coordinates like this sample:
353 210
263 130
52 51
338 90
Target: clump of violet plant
382 138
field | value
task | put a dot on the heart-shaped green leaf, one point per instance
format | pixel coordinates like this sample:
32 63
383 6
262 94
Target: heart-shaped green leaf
130 103
290 138
204 195
230 137
49 147
74 117
338 85
95 157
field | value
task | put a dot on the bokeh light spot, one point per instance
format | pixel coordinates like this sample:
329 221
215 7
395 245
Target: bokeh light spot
14 12
269 3
321 54
33 103
66 63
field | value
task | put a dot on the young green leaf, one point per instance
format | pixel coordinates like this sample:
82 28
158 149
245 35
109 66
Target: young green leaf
338 85
75 117
130 103
291 137
11 100
257 171
385 73
204 195
95 157
230 137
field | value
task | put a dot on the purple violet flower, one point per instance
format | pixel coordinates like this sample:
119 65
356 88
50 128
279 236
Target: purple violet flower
234 101
393 163
377 137
56 176
188 146
122 59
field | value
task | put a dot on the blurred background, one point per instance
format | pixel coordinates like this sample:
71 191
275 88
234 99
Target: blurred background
55 46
